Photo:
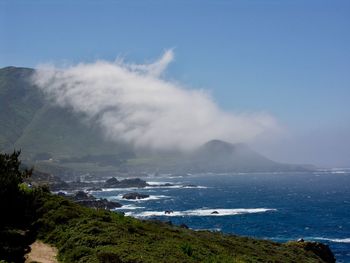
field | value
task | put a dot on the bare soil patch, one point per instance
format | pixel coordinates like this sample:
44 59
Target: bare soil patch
42 253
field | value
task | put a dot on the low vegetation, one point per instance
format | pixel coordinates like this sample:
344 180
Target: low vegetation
92 235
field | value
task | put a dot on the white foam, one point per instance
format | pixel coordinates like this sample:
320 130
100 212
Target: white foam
129 207
176 186
203 212
337 240
338 172
150 198
195 186
118 189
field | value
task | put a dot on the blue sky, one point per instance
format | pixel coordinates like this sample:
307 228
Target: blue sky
288 58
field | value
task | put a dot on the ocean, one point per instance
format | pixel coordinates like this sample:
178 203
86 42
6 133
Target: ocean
275 206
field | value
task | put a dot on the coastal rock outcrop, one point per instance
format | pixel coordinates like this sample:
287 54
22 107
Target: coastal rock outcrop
126 183
55 183
99 204
321 250
87 200
135 196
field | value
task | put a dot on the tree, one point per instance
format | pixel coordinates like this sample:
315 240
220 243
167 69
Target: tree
11 176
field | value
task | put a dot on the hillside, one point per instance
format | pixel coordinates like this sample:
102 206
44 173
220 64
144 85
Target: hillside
214 156
221 156
30 123
95 235
19 102
58 141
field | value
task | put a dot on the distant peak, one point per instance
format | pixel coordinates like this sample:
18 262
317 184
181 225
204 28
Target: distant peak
217 142
220 143
15 68
218 146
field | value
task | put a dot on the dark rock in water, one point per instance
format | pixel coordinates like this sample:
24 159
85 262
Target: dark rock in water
136 182
87 200
99 204
321 250
215 213
61 194
112 181
81 195
126 183
135 196
161 185
184 226
94 189
168 212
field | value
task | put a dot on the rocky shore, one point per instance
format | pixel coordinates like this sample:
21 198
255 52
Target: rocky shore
88 200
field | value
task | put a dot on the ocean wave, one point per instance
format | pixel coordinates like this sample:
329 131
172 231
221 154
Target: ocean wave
336 240
128 207
176 186
202 212
339 172
118 189
152 185
150 198
194 186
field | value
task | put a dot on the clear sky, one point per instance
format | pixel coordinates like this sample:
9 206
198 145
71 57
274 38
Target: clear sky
288 58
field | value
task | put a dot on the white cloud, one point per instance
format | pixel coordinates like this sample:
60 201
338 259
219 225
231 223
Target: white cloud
133 104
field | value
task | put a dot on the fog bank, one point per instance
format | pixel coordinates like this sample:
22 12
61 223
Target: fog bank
133 103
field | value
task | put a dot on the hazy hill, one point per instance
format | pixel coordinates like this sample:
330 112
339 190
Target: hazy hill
214 156
222 156
45 132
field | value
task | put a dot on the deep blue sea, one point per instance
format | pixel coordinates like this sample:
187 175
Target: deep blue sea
280 207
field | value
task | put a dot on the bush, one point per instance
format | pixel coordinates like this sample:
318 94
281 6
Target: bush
108 257
187 249
12 197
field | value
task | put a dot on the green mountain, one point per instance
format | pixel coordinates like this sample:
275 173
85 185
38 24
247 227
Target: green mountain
59 141
19 102
30 123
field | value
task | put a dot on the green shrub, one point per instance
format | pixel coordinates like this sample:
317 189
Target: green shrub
108 257
187 249
76 253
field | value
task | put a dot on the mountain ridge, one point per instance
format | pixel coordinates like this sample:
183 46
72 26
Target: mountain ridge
29 122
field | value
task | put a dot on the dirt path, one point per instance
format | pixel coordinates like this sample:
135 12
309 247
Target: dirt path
42 253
